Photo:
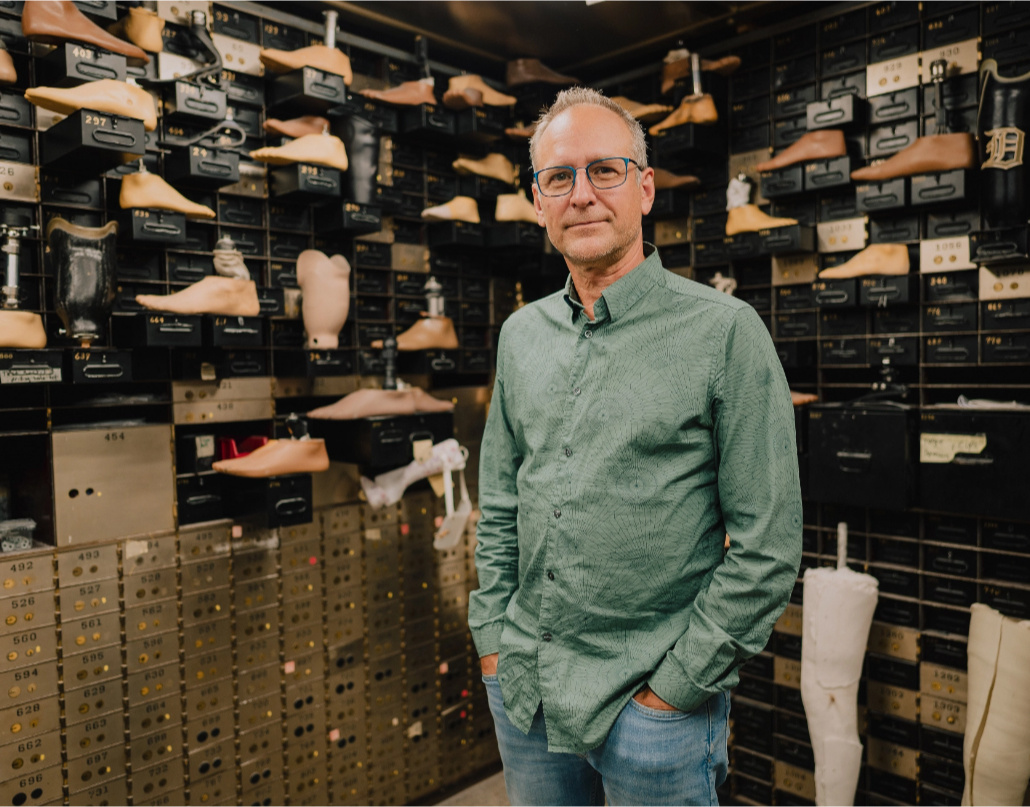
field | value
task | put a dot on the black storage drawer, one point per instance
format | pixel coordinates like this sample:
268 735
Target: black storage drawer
380 442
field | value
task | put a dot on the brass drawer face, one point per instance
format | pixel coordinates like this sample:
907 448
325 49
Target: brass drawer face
344 577
348 659
166 777
18 614
385 619
30 572
453 573
383 672
309 786
30 754
255 593
302 612
260 711
205 574
388 698
211 540
304 666
210 697
33 787
253 625
96 597
420 655
304 696
378 518
256 682
260 770
346 701
254 564
346 620
212 758
99 766
150 749
303 583
258 652
149 618
942 713
93 666
141 554
156 715
341 519
444 556
150 584
269 792
77 566
267 739
207 636
90 701
29 719
152 651
99 630
380 646
206 667
303 638
101 731
148 686
217 788
112 791
343 548
302 552
203 606
32 646
307 724
251 533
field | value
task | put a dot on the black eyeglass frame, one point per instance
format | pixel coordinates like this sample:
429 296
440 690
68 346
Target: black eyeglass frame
586 169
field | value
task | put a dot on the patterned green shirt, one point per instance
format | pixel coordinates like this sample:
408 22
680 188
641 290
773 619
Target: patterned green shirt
617 453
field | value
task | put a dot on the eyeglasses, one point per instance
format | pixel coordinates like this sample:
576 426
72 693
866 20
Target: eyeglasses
604 174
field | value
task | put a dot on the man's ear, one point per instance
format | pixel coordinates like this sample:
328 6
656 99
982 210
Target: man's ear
537 206
646 190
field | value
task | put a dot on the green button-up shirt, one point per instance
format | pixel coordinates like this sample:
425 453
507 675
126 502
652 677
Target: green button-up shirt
617 454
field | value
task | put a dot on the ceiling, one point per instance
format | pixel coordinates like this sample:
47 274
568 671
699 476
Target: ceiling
591 41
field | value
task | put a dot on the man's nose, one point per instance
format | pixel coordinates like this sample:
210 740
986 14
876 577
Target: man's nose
582 191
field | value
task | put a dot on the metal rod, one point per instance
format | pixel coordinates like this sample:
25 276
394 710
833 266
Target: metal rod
12 249
330 27
695 69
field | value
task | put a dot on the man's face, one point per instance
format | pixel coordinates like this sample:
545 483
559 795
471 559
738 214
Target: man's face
592 227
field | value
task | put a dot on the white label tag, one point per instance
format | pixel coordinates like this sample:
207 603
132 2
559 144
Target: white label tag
422 450
847 235
30 375
134 548
415 729
962 57
373 534
892 75
945 254
205 445
942 448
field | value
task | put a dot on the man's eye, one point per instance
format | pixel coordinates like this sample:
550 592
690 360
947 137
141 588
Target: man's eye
560 176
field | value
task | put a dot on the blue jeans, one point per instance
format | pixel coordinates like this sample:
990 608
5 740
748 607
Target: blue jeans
649 757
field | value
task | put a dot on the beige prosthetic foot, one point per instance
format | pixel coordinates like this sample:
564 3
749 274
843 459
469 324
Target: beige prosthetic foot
642 112
142 27
692 109
493 166
316 149
666 179
277 458
144 189
491 97
515 207
460 208
296 127
325 286
106 95
996 750
875 259
365 403
802 398
749 219
408 93
8 73
22 329
427 334
229 296
321 57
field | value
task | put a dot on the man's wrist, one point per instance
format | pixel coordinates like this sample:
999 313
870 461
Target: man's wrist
488 664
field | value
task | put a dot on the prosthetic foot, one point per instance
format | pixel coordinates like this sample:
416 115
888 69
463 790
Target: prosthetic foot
105 95
998 713
802 398
494 166
642 112
875 259
533 71
320 57
83 261
490 96
142 27
460 208
317 149
692 109
55 21
388 488
229 296
515 207
821 144
520 132
666 179
22 329
749 219
144 189
8 75
930 153
460 100
427 334
278 458
366 403
296 127
408 93
325 286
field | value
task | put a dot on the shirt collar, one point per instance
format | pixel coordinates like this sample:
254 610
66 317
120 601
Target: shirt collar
621 295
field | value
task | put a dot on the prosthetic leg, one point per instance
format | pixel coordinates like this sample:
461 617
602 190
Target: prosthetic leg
83 260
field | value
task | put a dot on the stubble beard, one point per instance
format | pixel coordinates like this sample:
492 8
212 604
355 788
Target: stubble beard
587 256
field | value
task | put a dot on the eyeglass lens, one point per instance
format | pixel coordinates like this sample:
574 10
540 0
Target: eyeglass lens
603 174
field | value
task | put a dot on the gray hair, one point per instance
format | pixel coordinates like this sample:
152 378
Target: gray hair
579 96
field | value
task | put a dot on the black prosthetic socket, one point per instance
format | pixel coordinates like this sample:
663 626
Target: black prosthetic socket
83 263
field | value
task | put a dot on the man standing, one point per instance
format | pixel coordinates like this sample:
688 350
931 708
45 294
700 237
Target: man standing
637 417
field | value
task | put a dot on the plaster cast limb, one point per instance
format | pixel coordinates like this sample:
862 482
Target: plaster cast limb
996 751
389 487
325 284
837 614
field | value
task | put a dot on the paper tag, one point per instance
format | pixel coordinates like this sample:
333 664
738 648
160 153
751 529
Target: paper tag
334 735
373 534
444 668
942 448
945 254
847 235
744 163
892 75
415 729
962 57
436 480
205 445
422 450
134 548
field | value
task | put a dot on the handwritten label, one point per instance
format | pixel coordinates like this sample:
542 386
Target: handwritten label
942 448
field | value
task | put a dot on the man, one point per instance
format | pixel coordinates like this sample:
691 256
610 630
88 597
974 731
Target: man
636 418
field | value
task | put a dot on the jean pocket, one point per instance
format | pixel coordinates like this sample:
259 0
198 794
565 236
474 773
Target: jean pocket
490 679
657 714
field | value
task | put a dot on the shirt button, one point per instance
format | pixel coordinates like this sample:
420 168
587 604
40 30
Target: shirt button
550 575
557 513
546 637
568 452
588 334
576 391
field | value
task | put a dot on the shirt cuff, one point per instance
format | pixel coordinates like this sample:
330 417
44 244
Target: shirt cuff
671 685
488 638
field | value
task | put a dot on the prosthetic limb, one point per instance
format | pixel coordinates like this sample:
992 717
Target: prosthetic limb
837 614
144 189
317 149
55 21
325 286
105 95
875 259
321 57
279 457
460 208
494 166
408 93
389 487
996 751
83 260
229 296
744 217
515 207
428 333
142 27
365 403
